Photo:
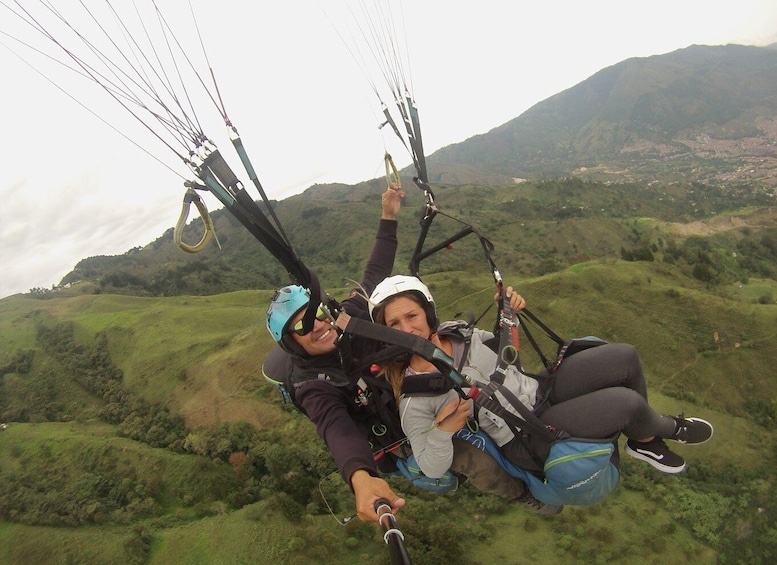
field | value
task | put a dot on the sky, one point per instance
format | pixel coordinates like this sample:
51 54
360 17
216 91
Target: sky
80 177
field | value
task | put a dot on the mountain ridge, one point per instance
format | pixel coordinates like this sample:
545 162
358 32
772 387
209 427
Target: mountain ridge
688 106
244 478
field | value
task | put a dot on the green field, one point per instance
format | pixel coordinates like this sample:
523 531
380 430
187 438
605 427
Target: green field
706 354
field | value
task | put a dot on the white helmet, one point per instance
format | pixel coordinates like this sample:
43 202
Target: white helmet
400 284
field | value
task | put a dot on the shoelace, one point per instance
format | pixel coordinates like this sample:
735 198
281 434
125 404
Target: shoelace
682 428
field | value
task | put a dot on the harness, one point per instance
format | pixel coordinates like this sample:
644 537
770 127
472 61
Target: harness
373 404
525 425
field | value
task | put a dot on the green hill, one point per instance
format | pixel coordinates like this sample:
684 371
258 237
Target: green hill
536 227
678 138
140 430
234 476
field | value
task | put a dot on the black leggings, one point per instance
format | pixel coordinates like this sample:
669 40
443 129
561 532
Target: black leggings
601 391
598 393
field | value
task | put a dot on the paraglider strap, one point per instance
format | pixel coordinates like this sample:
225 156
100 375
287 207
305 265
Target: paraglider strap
413 343
429 213
445 364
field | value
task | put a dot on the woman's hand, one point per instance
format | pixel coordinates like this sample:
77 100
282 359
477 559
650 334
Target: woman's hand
453 415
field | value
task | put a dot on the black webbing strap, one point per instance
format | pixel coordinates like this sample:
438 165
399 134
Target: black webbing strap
508 341
417 142
444 363
526 419
525 313
413 343
222 182
317 296
426 221
434 383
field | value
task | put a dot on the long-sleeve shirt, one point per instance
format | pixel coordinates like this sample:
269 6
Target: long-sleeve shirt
324 391
433 447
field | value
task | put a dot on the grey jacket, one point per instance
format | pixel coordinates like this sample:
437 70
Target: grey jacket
432 447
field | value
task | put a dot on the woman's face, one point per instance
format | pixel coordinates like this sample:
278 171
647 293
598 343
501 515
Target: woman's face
404 313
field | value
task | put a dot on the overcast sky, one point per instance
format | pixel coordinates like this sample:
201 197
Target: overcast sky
72 187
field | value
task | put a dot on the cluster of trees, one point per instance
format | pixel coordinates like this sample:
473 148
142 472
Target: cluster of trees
752 255
90 366
236 464
758 253
47 490
32 397
513 215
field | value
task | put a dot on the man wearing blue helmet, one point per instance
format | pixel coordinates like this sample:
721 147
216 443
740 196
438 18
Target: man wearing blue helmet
320 386
322 389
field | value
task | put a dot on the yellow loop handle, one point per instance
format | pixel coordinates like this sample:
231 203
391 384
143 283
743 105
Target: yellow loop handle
188 198
391 172
512 351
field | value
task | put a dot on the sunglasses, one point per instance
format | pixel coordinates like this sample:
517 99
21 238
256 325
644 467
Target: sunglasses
298 329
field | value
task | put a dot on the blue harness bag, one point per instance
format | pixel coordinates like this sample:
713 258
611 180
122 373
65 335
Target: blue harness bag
577 471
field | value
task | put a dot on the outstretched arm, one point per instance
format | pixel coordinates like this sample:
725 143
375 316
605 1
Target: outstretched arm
327 407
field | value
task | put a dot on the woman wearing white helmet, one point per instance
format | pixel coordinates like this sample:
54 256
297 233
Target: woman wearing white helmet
608 376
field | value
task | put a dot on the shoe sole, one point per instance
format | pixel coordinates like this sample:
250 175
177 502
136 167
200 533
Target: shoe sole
712 432
655 463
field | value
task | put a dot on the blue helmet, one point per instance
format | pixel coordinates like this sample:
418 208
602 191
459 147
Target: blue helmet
286 304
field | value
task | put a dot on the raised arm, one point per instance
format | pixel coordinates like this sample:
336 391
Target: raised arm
384 250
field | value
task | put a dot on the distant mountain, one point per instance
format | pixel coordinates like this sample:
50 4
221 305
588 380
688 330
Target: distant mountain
699 126
704 113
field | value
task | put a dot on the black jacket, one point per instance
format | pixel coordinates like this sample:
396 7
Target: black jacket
321 387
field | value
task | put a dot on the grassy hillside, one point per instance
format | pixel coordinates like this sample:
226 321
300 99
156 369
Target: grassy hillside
140 429
537 228
118 499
